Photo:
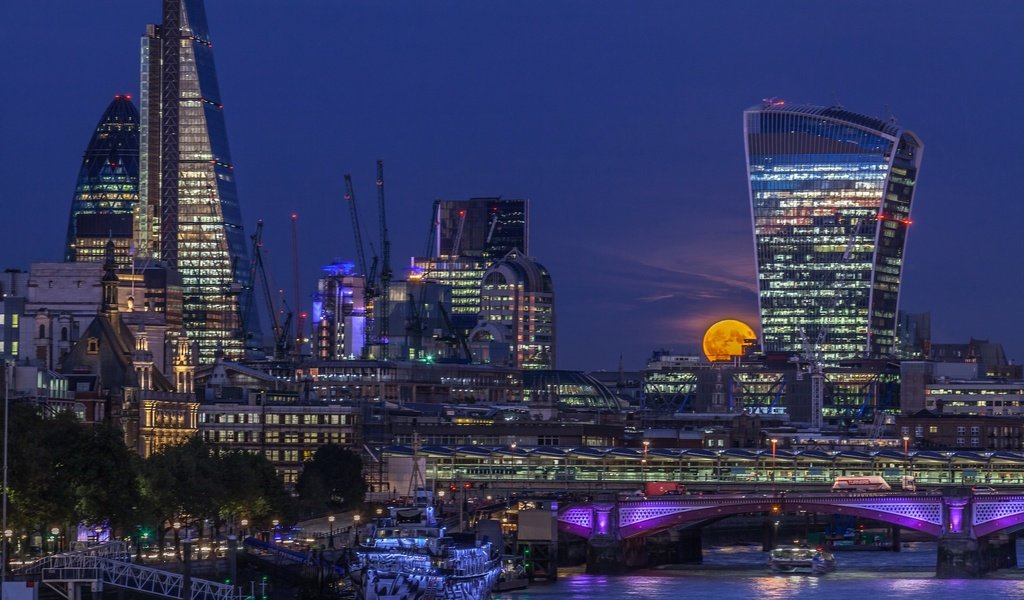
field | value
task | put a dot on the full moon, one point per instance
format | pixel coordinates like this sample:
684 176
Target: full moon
726 339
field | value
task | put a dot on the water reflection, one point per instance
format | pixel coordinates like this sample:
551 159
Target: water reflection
740 572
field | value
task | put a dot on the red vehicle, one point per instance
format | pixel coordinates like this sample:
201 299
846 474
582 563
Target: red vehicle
663 488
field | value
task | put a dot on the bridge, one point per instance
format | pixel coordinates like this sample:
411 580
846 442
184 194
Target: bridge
109 564
969 527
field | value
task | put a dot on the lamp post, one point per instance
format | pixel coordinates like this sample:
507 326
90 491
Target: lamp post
355 519
177 538
55 532
245 527
330 536
3 526
906 461
643 462
273 532
775 443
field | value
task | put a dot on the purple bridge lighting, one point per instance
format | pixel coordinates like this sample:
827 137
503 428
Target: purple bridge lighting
964 515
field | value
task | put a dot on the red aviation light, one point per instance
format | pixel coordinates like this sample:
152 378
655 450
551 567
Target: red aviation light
906 221
882 217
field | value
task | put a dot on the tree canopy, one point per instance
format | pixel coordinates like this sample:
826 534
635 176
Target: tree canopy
332 480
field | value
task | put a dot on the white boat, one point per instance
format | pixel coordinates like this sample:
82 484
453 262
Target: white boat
801 559
407 556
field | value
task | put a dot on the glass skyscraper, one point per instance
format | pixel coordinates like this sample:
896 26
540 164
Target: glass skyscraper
107 189
468 237
830 194
189 215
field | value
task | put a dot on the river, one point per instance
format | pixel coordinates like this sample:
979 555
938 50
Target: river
740 572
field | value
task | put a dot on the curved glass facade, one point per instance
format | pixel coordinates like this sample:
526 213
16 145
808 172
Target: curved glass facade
107 189
830 195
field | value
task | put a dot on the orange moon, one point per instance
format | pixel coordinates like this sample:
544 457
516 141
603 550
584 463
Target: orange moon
726 339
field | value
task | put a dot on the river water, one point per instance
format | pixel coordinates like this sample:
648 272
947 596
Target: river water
740 572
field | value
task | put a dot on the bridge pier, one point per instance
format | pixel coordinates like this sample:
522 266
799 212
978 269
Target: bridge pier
769 535
689 548
605 556
963 554
894 535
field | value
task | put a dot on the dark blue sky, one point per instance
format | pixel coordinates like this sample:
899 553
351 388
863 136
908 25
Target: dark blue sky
621 121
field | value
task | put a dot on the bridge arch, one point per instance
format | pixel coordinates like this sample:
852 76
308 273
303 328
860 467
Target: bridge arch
638 518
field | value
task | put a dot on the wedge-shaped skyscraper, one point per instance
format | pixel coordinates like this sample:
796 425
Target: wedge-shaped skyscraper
189 214
830 193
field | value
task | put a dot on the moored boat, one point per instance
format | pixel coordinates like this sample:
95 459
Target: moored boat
408 556
801 559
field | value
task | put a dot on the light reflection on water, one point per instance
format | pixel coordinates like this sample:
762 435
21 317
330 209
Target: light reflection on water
740 572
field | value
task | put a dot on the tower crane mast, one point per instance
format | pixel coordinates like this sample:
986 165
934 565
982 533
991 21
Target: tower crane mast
301 319
357 234
369 283
385 266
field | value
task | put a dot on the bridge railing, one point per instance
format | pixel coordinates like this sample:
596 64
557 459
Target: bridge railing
86 567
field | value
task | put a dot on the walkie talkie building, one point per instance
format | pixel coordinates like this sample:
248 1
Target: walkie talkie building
830 194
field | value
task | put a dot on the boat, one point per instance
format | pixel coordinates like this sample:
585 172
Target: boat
801 559
408 556
513 574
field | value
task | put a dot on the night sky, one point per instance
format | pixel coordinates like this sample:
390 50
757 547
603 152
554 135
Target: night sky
620 121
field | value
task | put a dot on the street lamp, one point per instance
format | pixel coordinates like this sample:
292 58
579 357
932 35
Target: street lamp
643 461
55 532
906 460
177 539
330 539
273 532
775 443
355 519
245 526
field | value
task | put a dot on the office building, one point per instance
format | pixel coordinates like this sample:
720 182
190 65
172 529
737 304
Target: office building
469 236
189 215
517 315
339 313
831 194
107 190
13 289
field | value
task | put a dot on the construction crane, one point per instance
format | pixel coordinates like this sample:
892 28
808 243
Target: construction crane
454 335
458 233
494 223
357 234
301 321
415 323
258 268
369 275
385 266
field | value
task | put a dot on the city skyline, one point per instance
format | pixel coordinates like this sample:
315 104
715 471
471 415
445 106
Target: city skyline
623 126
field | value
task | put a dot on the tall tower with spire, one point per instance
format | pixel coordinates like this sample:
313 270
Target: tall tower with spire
189 215
107 190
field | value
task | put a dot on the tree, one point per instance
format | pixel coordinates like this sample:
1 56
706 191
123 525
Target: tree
333 480
254 490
